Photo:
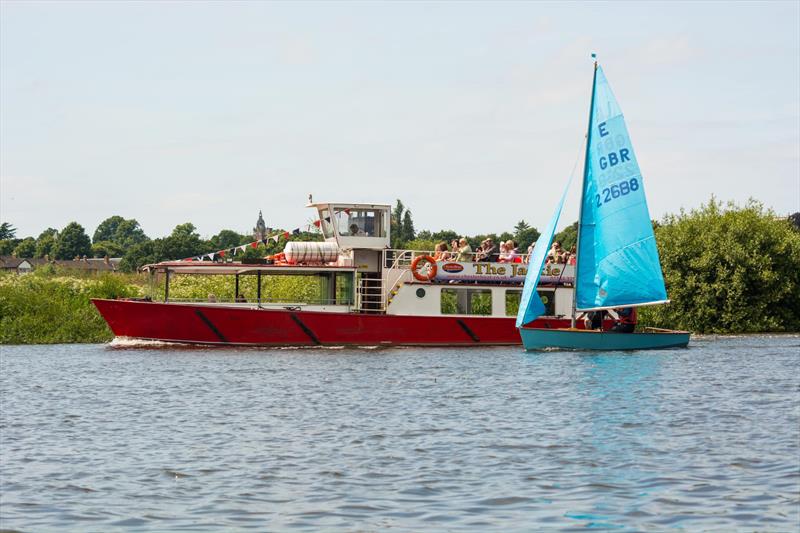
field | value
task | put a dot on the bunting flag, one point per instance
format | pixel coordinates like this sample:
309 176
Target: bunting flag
243 247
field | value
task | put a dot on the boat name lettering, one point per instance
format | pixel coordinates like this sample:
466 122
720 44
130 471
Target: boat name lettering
615 191
493 269
452 267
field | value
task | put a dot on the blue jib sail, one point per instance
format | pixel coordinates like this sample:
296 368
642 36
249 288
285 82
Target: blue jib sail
530 305
618 262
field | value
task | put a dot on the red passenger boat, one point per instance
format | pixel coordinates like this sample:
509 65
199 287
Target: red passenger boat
363 293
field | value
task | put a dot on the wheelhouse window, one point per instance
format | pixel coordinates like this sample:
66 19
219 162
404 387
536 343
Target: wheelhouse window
466 302
359 223
513 298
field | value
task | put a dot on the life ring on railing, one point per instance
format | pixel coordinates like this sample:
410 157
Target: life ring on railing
430 274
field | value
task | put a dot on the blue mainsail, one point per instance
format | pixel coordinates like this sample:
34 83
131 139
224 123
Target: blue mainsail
530 305
618 263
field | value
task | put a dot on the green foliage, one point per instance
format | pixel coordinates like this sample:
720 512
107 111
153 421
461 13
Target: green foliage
26 248
289 289
107 228
520 227
46 307
182 243
427 245
120 231
72 242
728 269
568 237
7 231
228 239
7 246
407 232
396 225
46 242
107 248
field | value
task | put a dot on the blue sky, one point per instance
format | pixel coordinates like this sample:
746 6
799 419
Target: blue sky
472 113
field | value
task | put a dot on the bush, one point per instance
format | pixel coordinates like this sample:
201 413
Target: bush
728 269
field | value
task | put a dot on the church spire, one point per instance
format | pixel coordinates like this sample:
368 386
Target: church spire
260 231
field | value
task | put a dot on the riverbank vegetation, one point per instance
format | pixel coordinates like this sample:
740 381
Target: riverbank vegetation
728 269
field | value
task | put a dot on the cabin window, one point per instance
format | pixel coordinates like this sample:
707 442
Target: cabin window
360 223
513 298
466 302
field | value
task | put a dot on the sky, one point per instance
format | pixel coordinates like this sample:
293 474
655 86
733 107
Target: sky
473 114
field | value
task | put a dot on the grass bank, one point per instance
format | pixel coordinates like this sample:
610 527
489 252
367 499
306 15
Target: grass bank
50 307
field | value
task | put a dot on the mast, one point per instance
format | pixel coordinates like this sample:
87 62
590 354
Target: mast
583 194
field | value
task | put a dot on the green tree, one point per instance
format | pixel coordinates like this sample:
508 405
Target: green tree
26 248
45 243
107 248
228 239
107 228
7 231
520 227
121 231
407 230
728 269
396 225
7 246
568 236
72 242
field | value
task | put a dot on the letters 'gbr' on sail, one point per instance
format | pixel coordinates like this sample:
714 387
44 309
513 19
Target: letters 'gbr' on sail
618 263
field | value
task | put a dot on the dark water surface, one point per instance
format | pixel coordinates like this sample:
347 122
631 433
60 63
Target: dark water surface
97 438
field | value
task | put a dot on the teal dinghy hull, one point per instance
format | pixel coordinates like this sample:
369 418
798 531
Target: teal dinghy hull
581 339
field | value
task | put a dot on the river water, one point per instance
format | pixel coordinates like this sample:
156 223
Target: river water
100 438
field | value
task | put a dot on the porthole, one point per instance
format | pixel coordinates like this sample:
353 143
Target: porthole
420 293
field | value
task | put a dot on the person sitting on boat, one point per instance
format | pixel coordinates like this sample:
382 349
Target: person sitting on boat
240 298
503 257
486 252
556 253
464 251
355 231
594 320
513 254
440 253
626 321
572 258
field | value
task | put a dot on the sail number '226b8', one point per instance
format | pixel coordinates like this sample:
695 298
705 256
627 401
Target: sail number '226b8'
618 189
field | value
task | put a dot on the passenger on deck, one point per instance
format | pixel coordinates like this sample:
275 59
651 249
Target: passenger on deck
556 253
527 258
487 252
503 257
464 251
240 298
573 257
355 231
513 254
441 253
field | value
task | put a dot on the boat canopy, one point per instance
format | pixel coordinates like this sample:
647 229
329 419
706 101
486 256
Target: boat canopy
210 268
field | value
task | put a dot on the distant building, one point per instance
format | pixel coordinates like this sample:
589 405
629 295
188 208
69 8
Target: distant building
85 264
260 231
15 264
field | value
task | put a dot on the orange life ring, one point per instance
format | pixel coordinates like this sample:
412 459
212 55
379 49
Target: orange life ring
431 271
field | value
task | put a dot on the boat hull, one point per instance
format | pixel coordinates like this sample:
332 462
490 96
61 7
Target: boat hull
207 324
574 339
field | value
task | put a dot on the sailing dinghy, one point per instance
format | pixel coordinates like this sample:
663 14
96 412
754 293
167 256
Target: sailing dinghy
617 259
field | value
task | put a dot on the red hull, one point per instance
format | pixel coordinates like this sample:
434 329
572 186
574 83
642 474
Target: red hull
201 324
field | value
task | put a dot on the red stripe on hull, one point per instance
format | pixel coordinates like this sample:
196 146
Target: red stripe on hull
278 327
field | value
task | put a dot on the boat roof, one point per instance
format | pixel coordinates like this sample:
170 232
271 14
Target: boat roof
349 204
212 268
